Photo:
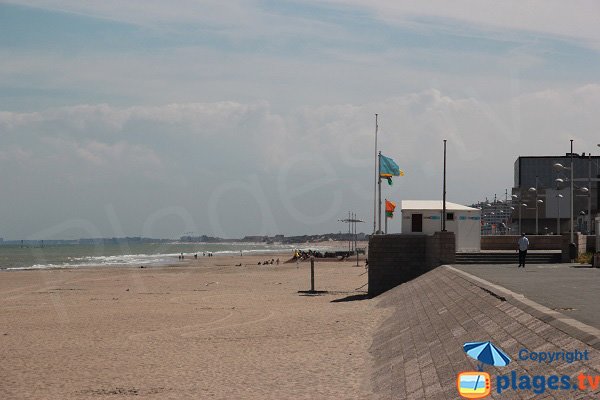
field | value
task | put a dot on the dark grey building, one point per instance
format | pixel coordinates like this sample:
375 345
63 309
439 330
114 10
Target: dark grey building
552 197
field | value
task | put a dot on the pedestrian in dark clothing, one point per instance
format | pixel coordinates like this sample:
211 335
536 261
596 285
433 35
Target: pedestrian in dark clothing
523 246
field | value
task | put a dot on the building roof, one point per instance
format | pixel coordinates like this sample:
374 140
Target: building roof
433 205
567 155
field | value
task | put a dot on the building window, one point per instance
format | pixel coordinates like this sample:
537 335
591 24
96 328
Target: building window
450 216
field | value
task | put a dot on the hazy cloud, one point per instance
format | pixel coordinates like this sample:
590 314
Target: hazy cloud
244 117
308 165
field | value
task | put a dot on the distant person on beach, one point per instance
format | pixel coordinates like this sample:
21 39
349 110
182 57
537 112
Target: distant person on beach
523 246
196 255
277 261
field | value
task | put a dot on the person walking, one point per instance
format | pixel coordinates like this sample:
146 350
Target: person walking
523 246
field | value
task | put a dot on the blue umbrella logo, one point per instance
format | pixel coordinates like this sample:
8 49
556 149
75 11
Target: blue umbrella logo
486 353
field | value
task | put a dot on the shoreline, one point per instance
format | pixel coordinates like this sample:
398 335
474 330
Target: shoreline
169 258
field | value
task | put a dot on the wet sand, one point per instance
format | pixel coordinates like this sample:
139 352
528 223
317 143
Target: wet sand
199 329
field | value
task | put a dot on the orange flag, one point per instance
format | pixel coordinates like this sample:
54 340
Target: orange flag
389 208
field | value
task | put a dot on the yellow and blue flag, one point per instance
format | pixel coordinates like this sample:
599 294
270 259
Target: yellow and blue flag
388 168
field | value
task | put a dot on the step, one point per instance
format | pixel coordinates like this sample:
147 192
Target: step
506 258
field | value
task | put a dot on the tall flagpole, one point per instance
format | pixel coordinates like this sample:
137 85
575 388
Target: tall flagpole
571 197
354 230
386 217
375 182
379 188
349 234
444 194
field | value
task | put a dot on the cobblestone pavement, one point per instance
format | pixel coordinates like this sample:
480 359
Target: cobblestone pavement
418 349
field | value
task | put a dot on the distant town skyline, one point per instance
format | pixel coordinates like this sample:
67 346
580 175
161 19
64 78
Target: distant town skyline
146 118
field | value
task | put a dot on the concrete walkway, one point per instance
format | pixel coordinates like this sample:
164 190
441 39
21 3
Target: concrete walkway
418 350
572 289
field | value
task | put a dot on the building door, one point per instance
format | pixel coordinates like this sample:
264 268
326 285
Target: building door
417 223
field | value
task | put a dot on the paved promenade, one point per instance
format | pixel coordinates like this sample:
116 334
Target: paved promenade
572 289
418 350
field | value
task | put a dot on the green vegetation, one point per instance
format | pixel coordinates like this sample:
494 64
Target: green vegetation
585 258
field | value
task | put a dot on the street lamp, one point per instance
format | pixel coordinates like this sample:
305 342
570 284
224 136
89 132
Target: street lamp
532 189
558 197
537 202
587 194
521 204
586 191
558 167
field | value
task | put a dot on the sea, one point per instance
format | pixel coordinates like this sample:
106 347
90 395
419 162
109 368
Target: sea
16 257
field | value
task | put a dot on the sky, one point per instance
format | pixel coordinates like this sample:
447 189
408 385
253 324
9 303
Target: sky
246 117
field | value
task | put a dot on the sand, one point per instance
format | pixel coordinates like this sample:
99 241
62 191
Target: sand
201 329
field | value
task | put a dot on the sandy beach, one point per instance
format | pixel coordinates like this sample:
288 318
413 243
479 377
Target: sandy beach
200 329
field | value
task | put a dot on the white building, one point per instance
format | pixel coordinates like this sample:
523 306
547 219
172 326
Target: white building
425 216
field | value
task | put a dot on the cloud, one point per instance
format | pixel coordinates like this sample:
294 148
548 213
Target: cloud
546 17
230 164
258 135
538 16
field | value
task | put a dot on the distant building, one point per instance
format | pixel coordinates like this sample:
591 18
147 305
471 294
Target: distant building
255 239
425 216
553 211
496 216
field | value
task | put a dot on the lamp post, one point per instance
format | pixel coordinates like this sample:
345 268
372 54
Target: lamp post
571 198
535 190
511 221
584 189
558 197
589 227
588 195
559 166
521 204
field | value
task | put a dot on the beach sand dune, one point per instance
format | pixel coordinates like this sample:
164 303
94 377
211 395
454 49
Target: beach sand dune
201 329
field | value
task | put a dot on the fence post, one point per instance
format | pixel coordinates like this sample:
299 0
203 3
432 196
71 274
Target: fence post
312 274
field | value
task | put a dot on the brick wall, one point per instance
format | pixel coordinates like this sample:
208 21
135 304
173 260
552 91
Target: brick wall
580 245
591 244
509 242
398 258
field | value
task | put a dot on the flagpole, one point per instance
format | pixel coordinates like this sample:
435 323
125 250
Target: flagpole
354 230
444 194
386 217
379 188
349 235
375 182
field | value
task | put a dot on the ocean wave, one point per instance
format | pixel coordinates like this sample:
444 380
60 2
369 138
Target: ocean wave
62 261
